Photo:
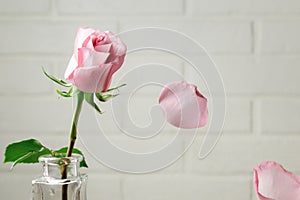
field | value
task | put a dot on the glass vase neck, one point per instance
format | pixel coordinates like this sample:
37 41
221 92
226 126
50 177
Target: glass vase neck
53 166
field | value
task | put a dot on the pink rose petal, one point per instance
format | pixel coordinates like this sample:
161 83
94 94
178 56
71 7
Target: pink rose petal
70 69
119 48
81 37
91 79
184 105
103 48
88 57
273 182
115 66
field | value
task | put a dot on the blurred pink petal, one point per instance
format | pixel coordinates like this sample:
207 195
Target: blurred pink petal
273 182
184 105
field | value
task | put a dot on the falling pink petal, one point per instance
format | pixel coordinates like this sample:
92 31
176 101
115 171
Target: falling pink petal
273 182
184 106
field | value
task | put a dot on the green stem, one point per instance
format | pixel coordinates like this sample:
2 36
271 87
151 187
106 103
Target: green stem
73 136
73 131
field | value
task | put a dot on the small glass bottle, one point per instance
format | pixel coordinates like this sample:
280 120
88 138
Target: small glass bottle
61 179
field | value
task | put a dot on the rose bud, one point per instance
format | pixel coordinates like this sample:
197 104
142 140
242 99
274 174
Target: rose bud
97 56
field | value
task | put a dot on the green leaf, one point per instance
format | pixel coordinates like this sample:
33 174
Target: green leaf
89 97
26 151
29 151
63 152
56 80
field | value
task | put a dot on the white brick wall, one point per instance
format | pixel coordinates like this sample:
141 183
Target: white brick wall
119 7
28 7
280 36
236 7
217 36
255 44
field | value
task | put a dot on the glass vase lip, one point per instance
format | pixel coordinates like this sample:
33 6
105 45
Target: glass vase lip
52 160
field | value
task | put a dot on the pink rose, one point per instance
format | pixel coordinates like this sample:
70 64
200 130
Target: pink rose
273 182
184 105
97 56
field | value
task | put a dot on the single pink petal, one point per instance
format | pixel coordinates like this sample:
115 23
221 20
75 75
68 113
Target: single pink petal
103 48
105 38
273 182
82 35
84 55
184 105
99 58
105 79
71 67
88 57
115 66
119 48
91 79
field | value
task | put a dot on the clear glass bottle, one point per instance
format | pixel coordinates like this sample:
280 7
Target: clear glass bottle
57 185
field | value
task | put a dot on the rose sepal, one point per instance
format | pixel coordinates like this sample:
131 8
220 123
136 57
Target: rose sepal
70 93
56 80
89 98
105 96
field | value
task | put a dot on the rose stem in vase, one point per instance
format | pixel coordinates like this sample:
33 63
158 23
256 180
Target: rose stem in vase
73 136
